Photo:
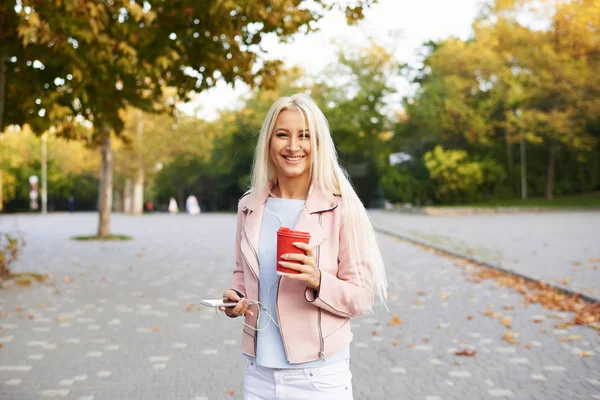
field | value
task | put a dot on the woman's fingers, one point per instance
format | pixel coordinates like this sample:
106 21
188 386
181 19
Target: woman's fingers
294 266
297 257
305 247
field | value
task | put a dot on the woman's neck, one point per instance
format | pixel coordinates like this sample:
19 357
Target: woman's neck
291 189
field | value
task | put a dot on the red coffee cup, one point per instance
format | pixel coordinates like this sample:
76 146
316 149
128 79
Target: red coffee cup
285 238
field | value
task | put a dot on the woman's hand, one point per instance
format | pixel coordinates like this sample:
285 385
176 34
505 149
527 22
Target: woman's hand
241 308
309 272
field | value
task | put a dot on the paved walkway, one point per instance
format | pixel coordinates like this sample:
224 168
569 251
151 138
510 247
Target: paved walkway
558 247
116 323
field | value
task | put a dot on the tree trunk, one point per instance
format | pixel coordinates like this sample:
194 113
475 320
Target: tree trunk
595 170
3 69
509 154
180 198
106 188
138 186
127 196
1 191
550 173
523 170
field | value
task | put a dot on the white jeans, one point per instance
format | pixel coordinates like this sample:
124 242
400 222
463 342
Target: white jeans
330 382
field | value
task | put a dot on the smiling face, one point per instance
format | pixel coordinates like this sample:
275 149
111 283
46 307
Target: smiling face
290 146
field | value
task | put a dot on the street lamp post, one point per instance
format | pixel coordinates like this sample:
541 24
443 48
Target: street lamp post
44 173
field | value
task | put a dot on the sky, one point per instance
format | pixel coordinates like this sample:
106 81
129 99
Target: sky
401 26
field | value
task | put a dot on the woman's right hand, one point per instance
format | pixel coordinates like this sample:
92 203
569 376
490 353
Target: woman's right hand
241 308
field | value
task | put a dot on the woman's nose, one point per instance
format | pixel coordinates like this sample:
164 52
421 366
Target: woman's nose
294 144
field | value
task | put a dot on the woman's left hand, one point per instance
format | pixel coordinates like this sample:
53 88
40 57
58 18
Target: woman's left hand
309 272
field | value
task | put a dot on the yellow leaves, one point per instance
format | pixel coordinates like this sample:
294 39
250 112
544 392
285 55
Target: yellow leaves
62 319
396 342
69 279
585 354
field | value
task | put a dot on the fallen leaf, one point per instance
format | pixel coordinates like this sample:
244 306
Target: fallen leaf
594 260
139 255
31 316
425 339
466 352
1 345
156 328
62 319
570 338
375 333
69 279
506 321
469 317
560 325
508 337
418 302
395 321
528 346
537 320
230 392
509 307
420 293
396 342
585 354
445 297
19 309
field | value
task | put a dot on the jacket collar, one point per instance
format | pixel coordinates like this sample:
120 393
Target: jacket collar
317 200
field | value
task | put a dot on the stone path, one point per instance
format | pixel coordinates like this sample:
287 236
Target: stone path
558 247
117 323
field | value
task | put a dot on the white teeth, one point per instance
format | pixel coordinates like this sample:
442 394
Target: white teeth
292 158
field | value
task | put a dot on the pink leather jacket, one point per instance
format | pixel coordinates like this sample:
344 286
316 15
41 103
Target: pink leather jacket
313 325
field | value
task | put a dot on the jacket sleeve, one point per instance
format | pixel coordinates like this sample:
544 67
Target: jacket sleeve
344 295
237 283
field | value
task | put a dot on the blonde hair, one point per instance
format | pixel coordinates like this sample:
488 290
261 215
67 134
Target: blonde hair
328 176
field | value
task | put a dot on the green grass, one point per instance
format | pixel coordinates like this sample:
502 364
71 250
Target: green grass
109 238
587 200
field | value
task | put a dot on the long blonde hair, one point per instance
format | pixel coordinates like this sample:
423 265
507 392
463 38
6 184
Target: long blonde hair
328 176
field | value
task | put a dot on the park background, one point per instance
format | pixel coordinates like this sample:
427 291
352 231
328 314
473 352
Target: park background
474 125
509 112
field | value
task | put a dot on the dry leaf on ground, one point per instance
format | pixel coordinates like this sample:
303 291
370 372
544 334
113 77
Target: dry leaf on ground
509 337
466 352
507 322
395 321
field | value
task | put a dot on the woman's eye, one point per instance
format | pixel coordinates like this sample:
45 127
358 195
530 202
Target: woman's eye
281 134
304 136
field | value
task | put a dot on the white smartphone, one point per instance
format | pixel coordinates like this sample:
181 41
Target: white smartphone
217 303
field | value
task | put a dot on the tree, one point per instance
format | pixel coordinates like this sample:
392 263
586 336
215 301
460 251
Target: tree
122 53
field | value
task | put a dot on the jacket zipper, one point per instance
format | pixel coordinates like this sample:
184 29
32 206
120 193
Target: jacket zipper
258 282
322 352
280 324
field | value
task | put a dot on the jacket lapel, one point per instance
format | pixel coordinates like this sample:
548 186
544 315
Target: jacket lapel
251 234
309 223
316 203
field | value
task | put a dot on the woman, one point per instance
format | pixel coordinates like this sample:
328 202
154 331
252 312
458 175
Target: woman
296 334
